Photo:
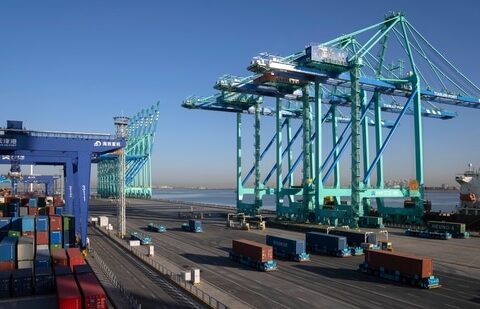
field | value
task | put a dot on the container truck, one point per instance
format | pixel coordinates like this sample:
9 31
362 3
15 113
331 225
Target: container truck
253 254
327 244
293 249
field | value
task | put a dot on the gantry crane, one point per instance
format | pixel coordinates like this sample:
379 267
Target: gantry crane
359 72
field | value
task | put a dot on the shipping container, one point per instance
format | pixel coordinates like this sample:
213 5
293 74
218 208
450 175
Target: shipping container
49 211
103 221
16 224
8 249
42 258
28 224
290 248
22 282
75 257
59 257
68 239
55 223
156 227
5 224
32 202
68 222
7 265
41 201
253 254
25 248
41 223
15 234
355 238
29 234
62 270
327 244
82 269
44 280
56 237
68 293
456 229
5 283
32 211
23 211
400 267
93 295
372 222
25 264
41 238
58 210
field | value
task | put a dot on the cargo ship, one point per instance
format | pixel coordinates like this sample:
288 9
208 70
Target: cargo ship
468 211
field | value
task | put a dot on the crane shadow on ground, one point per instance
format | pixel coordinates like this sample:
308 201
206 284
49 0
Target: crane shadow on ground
215 261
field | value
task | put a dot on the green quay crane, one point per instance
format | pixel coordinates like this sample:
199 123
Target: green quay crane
359 73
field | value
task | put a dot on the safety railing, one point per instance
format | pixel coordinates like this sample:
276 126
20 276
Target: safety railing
113 279
174 277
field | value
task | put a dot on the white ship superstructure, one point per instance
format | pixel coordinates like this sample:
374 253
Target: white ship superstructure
469 192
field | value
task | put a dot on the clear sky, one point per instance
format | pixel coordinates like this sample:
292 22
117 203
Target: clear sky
72 66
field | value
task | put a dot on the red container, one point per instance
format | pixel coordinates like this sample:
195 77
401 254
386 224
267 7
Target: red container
7 265
57 201
55 223
406 264
75 257
68 294
254 250
41 238
59 257
32 211
28 234
93 295
49 210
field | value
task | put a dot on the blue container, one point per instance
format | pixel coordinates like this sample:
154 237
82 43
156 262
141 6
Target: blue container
42 258
55 237
13 214
59 210
22 283
324 241
44 282
32 202
5 283
41 223
8 249
5 224
287 245
355 238
28 224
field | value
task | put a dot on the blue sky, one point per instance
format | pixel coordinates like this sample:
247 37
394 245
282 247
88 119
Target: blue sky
72 66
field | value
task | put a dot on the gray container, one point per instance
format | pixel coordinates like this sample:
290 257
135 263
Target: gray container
286 245
25 264
23 211
355 238
25 249
324 241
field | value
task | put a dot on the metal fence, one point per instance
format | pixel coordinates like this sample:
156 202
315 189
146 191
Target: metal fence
111 276
174 277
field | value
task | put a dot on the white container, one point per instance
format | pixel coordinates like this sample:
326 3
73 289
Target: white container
2 200
93 219
186 276
109 227
25 264
134 243
195 275
151 251
49 200
42 247
103 221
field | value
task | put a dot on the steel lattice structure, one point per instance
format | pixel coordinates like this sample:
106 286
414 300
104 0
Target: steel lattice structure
138 176
373 77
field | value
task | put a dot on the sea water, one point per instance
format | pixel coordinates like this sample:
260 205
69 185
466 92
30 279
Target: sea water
445 201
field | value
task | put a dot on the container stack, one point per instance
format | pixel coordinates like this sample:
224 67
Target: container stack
75 257
41 233
55 232
28 226
42 258
44 282
22 282
59 257
15 227
4 227
5 286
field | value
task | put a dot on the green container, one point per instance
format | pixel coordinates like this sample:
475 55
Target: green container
367 221
55 246
443 226
12 233
68 222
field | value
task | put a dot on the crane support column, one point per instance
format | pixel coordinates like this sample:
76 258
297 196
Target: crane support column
258 192
239 161
378 145
366 152
307 174
355 114
278 122
318 148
